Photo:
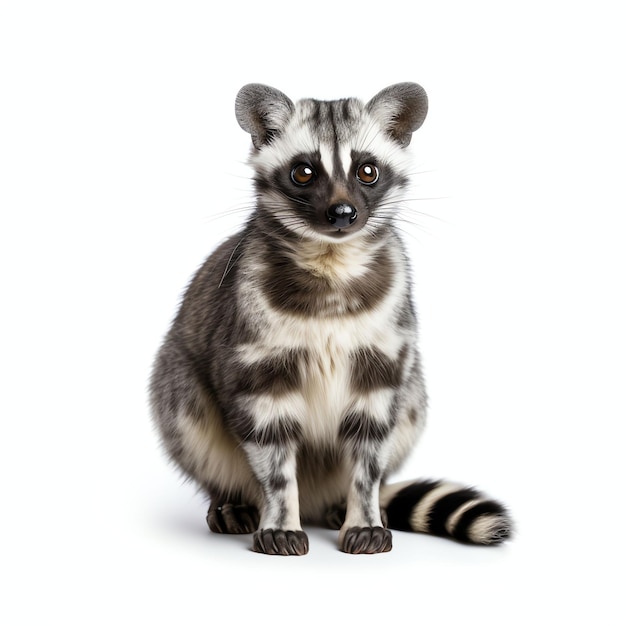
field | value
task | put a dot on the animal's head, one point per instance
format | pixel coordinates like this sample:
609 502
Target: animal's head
330 169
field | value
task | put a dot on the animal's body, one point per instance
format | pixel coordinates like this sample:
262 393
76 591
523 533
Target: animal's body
289 386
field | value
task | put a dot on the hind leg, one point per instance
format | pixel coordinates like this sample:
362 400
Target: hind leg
335 516
233 518
231 513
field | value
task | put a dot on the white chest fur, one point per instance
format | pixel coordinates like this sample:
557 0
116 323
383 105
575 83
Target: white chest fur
329 344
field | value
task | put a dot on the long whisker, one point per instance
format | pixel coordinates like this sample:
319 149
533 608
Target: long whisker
230 263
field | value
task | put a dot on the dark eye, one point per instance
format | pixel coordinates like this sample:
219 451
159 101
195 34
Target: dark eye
367 173
302 174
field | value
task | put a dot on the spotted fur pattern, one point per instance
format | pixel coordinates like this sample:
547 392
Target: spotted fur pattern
289 385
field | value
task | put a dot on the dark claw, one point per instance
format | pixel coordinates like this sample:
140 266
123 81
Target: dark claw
366 540
283 542
234 519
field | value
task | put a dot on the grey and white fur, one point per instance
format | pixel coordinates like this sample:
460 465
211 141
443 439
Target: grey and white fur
289 386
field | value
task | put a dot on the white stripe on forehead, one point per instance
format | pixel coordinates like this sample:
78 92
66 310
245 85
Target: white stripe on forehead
327 158
345 158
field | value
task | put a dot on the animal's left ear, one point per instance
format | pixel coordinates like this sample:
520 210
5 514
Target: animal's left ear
401 109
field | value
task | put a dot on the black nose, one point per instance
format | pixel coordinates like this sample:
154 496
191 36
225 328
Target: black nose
341 215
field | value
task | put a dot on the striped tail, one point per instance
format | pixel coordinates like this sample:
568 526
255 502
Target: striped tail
446 509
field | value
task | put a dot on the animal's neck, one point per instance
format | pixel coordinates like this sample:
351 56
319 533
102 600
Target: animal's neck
336 262
313 278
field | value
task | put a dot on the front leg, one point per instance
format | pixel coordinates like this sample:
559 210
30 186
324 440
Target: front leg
273 462
266 417
365 439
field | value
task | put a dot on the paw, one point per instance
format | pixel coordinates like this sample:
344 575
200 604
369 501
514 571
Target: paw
283 542
366 540
234 519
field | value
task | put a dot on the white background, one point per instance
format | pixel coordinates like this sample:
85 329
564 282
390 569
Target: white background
122 166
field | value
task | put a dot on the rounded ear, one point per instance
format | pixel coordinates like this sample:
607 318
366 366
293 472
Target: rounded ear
262 111
401 109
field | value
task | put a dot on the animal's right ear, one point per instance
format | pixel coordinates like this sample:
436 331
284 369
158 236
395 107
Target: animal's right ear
262 111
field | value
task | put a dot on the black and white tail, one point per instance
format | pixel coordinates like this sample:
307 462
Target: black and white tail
446 509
